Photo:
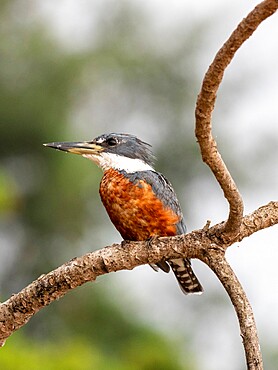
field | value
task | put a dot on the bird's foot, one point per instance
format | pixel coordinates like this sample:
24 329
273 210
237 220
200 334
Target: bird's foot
151 239
125 242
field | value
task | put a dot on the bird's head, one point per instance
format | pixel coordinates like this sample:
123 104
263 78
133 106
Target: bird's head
118 151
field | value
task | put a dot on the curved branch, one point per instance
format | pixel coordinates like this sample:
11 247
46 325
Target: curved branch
205 106
18 309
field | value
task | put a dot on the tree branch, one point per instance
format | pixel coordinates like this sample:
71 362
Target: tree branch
202 244
215 259
205 106
235 224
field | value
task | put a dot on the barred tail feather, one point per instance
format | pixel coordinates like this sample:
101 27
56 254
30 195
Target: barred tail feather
187 280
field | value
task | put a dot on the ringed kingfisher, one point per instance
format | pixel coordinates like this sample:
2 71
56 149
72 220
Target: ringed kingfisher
140 202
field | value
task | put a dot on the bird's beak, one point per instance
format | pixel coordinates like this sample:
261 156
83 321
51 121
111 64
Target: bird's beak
82 147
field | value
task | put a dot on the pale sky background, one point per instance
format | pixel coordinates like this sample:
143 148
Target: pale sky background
252 116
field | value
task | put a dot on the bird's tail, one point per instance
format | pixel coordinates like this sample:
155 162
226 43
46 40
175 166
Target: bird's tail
187 280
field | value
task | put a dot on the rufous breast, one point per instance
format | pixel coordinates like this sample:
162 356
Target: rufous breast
134 208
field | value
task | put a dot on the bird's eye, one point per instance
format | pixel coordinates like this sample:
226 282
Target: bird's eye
111 141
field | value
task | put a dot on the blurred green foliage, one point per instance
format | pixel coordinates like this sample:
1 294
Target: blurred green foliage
9 199
146 351
49 201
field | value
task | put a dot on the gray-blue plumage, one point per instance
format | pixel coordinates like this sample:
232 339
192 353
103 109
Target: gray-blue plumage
126 145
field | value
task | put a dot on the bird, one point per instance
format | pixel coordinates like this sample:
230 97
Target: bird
140 201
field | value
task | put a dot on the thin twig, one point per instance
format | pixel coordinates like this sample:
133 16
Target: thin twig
205 106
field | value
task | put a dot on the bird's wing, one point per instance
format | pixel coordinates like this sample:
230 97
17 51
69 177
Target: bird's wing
163 190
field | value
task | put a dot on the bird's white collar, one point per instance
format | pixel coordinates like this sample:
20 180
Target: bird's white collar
118 162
